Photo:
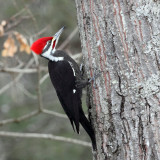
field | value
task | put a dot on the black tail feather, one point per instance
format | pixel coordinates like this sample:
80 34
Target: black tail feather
88 128
72 124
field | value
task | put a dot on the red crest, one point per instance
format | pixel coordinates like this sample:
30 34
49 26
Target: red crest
38 45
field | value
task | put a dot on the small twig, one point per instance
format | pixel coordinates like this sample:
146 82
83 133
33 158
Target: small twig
19 119
15 23
17 70
29 115
44 136
44 78
54 113
76 56
34 55
18 13
32 16
69 38
26 92
38 87
40 32
27 70
6 87
20 63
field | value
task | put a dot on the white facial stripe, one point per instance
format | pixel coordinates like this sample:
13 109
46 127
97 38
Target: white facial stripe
49 54
52 58
45 46
52 42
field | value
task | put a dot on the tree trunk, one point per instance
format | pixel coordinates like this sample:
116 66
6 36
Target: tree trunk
121 38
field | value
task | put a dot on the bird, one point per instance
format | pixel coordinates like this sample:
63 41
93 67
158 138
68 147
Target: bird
67 79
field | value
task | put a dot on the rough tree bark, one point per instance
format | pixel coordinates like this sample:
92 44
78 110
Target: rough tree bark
121 38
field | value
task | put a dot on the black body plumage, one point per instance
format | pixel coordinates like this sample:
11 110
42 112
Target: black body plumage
63 75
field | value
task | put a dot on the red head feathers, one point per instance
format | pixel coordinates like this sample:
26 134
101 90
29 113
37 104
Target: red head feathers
39 45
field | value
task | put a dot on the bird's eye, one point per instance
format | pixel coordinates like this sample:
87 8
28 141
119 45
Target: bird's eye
49 42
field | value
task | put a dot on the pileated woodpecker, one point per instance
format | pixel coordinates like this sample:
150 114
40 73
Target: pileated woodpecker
67 80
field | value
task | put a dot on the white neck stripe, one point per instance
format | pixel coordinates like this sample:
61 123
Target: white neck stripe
48 55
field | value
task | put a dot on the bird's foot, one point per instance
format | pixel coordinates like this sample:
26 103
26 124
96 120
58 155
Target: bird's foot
83 82
94 77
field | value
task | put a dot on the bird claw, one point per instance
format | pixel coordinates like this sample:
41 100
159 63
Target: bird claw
83 83
93 78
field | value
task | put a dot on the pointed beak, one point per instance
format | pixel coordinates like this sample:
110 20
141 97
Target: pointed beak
55 39
57 35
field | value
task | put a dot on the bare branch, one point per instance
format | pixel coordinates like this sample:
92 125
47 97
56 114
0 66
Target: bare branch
44 136
44 78
69 38
38 87
20 62
13 24
76 56
54 113
18 13
34 55
6 87
32 16
29 115
17 70
40 32
26 92
17 120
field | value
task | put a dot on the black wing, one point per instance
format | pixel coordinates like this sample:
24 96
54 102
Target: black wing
63 80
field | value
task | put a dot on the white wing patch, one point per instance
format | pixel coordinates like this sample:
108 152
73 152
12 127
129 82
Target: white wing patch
74 73
74 91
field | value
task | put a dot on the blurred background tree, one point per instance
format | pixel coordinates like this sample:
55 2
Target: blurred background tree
22 22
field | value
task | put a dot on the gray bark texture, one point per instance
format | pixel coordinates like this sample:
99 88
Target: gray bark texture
121 38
